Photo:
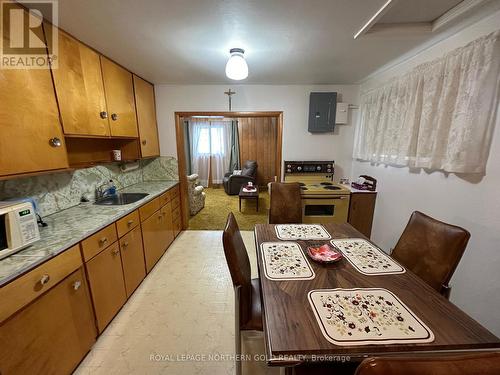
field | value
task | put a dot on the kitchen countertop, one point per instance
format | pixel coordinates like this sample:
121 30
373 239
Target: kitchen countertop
68 227
354 190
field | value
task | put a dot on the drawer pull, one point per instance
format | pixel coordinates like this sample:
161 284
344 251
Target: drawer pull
125 244
77 284
130 222
45 279
116 252
103 240
160 216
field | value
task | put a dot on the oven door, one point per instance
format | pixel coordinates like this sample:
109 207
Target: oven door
325 209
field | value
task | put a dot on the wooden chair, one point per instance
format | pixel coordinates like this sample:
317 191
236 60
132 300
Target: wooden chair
247 299
431 249
474 364
286 203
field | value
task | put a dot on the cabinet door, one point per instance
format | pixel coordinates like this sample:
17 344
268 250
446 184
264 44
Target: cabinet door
106 284
146 117
119 89
31 136
167 224
153 234
51 335
362 207
79 89
134 269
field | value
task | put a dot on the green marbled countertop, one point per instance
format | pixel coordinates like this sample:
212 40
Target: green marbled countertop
68 227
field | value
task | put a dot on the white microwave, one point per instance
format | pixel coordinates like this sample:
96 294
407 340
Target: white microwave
18 227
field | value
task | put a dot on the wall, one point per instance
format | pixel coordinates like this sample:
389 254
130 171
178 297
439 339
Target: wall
58 191
468 200
293 100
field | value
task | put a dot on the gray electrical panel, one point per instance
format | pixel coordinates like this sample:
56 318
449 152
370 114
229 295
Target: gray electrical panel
322 111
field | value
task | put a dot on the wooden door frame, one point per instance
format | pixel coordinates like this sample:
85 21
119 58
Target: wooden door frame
181 155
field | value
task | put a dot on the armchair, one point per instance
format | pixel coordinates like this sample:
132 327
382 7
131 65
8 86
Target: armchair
233 182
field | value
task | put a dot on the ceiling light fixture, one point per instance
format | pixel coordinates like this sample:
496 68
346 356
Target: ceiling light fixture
236 67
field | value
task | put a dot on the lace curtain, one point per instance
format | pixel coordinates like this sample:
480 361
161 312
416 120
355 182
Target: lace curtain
440 115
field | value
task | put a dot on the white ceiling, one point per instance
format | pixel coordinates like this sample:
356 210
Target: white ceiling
286 41
417 11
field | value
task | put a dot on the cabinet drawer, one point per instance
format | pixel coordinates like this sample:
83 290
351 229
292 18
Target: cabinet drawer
177 227
26 288
176 202
127 223
174 192
149 208
176 214
165 198
94 244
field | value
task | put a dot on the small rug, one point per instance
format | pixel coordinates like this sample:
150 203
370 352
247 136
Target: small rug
363 316
218 205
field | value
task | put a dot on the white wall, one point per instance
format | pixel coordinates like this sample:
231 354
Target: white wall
468 201
293 100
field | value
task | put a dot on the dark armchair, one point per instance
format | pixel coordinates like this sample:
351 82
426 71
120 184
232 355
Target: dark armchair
233 182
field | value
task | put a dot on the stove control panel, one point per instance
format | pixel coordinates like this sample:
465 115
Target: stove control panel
292 167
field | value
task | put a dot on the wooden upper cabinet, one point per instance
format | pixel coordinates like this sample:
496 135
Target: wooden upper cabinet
146 117
119 90
79 89
31 137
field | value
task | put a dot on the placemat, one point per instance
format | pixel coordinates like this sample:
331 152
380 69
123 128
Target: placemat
363 316
285 261
366 258
301 232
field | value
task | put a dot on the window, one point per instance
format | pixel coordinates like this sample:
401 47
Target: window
211 141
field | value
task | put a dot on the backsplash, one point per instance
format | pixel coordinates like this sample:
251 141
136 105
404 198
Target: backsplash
58 191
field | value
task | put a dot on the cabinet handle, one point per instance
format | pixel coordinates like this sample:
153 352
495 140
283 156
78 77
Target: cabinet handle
114 116
45 279
144 142
116 252
125 244
130 222
103 240
160 216
103 114
55 142
77 284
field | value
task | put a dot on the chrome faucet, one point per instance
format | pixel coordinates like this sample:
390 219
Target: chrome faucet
101 190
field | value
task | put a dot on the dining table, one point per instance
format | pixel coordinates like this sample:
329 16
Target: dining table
294 334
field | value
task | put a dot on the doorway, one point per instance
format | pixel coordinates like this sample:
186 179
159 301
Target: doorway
260 137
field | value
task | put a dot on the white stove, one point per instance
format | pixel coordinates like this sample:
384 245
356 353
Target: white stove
323 201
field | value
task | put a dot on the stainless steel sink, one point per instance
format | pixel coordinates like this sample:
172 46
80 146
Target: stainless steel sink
120 199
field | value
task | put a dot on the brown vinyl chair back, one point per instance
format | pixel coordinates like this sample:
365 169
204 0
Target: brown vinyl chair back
239 266
473 364
286 204
431 249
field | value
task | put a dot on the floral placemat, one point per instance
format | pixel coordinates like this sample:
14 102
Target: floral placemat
285 261
301 232
363 316
366 258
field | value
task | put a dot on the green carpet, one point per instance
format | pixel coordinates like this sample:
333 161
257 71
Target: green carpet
218 205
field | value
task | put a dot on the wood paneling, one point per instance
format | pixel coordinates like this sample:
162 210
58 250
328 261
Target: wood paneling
26 288
290 327
107 284
259 141
134 269
79 88
119 90
51 335
29 119
146 117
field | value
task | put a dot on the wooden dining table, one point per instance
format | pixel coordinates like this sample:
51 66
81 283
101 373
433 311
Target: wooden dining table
293 335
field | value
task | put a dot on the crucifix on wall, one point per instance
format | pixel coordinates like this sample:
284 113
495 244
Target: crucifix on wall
229 93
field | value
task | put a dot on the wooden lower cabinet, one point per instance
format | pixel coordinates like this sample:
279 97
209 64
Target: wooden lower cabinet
134 269
52 334
107 284
153 235
361 210
168 226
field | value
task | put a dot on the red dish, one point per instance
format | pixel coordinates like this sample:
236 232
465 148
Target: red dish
324 253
